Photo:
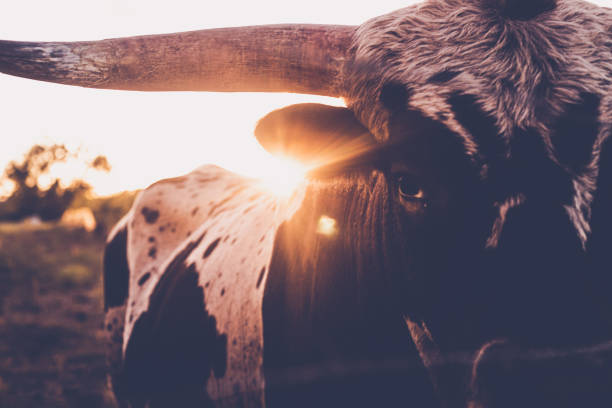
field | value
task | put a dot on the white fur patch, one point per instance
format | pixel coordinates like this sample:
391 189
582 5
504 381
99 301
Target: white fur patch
237 218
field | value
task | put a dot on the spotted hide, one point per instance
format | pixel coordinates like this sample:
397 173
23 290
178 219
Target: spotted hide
191 321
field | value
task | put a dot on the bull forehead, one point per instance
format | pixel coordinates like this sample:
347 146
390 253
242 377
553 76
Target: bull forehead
523 73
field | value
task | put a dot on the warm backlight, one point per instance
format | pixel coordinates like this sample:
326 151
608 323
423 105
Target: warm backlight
282 175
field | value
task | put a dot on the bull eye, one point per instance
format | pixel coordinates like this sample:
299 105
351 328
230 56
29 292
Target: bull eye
411 194
409 189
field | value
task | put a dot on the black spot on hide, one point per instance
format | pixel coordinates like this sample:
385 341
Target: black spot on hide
441 116
394 96
144 278
480 125
150 215
116 271
443 76
211 248
152 252
175 344
522 9
260 278
574 133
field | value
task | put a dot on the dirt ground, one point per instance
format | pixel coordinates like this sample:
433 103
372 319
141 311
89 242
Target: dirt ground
51 313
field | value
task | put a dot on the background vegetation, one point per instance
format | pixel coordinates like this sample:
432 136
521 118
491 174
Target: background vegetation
51 309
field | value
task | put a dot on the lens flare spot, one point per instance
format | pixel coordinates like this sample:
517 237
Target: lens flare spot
327 226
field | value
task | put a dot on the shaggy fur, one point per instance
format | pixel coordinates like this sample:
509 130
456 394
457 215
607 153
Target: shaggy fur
524 74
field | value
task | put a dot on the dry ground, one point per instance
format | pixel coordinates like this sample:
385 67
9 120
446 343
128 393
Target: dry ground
51 312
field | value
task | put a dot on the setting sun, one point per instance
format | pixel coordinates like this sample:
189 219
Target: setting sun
282 175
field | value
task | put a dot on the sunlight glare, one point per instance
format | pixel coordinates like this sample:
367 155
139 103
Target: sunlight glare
282 175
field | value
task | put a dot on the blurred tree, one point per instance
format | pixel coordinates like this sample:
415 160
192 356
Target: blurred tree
28 198
100 163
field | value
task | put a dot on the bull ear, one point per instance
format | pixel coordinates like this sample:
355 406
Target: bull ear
313 134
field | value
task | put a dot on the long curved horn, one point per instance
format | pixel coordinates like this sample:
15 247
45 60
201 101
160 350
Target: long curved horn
272 58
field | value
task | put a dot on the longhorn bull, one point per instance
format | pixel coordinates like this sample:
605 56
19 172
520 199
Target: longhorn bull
450 247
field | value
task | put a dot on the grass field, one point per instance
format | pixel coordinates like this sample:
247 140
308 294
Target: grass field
51 313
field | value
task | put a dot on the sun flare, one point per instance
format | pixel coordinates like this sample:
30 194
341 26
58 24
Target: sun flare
282 176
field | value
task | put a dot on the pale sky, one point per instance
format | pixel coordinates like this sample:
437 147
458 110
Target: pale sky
149 136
